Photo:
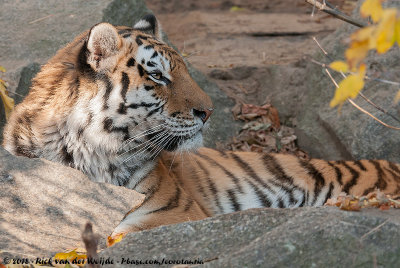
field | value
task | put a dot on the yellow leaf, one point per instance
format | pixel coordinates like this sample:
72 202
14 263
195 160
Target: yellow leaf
356 53
111 240
372 8
2 69
339 66
66 256
363 34
236 8
397 98
7 101
385 33
397 32
71 257
348 88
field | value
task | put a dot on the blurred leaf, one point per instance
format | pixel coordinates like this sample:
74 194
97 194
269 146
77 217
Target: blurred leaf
339 66
236 8
356 53
7 101
70 256
397 98
372 8
2 69
397 31
385 32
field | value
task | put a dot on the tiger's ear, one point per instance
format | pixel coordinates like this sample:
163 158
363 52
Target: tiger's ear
149 24
103 44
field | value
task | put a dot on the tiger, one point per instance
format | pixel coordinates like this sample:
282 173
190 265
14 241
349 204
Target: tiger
118 103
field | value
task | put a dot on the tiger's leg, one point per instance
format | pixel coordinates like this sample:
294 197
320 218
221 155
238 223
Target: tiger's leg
166 202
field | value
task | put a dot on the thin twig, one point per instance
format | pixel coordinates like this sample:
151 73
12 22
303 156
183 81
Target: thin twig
332 6
364 111
336 13
373 230
366 77
40 19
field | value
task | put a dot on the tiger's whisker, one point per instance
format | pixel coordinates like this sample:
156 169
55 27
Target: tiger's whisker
143 144
146 145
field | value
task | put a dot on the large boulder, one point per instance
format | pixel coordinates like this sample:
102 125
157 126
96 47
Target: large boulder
326 133
44 207
303 237
31 32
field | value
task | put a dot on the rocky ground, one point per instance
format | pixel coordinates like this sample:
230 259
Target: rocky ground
305 237
247 52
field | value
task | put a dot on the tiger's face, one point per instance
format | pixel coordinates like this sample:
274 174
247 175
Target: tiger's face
148 97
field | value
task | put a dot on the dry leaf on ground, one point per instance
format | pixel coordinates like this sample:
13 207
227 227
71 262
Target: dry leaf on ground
376 199
263 132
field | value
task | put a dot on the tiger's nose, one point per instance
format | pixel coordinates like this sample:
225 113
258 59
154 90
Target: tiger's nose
203 114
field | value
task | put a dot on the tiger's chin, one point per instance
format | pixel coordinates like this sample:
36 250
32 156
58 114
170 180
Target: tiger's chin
187 144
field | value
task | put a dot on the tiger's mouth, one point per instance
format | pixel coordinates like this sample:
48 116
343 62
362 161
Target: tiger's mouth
150 143
174 142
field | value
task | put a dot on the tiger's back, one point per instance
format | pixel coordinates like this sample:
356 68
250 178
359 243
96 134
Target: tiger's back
244 180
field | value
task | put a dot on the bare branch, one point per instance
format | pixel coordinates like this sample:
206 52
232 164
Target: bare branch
335 12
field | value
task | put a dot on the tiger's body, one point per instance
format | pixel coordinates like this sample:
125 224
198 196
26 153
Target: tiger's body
119 105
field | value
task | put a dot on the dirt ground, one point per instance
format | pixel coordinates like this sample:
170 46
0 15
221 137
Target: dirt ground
217 36
236 42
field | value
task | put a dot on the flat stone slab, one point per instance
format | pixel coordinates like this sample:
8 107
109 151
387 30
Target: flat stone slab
44 207
302 237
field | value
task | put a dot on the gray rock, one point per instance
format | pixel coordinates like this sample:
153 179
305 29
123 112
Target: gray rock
33 31
222 125
44 206
327 134
302 237
25 82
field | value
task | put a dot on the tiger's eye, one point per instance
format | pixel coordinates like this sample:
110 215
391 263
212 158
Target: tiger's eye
157 76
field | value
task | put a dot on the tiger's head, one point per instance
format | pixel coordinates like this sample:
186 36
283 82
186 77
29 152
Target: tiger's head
147 87
114 90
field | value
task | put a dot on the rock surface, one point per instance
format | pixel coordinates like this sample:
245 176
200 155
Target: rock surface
44 206
305 237
31 33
